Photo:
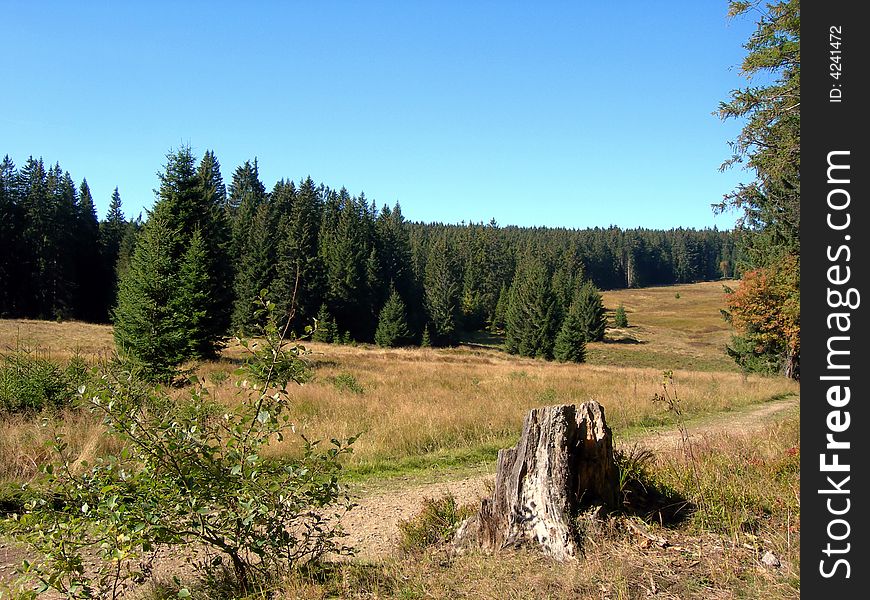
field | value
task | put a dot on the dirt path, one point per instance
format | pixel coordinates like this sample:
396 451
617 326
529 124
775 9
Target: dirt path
372 526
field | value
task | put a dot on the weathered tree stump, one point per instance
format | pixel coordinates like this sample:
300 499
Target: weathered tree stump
564 459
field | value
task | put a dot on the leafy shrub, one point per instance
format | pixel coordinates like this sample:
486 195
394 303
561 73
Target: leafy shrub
29 382
346 382
188 473
435 524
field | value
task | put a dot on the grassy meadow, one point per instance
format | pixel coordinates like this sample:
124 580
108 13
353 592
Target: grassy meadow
429 415
454 407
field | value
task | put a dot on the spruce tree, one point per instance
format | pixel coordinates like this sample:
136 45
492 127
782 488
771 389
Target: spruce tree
392 323
148 330
193 301
620 319
325 331
441 285
571 342
93 278
255 270
531 321
590 310
113 229
299 271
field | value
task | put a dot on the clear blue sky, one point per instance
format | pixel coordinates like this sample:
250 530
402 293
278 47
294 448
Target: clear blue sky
573 114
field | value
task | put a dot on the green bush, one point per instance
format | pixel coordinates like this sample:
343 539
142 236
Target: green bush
31 383
188 472
620 319
435 524
346 382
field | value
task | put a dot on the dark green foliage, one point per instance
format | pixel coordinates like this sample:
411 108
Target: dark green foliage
29 382
149 330
113 231
298 285
325 330
570 344
313 247
426 340
255 269
442 292
620 319
591 312
532 318
193 302
392 323
769 141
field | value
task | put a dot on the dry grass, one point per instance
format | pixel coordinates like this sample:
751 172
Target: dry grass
448 406
669 332
756 473
424 401
57 341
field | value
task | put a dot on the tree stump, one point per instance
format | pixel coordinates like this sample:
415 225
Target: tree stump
564 459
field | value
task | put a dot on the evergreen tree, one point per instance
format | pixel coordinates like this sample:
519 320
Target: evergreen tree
531 321
255 270
112 232
325 331
442 292
620 319
147 329
392 323
345 249
299 271
591 311
769 145
426 340
499 317
217 236
93 277
193 301
11 240
570 344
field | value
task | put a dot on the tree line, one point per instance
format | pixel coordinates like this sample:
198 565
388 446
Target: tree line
197 265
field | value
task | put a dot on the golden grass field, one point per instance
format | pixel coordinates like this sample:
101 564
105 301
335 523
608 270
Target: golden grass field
439 407
423 412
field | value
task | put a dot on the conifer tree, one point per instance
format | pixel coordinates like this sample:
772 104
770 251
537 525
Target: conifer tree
147 328
255 270
426 340
11 241
392 323
571 342
531 321
112 231
217 237
441 284
325 331
620 319
299 271
193 302
591 311
91 274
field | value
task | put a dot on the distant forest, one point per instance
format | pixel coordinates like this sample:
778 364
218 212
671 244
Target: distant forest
333 256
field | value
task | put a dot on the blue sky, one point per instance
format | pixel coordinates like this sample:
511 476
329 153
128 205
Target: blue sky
574 114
